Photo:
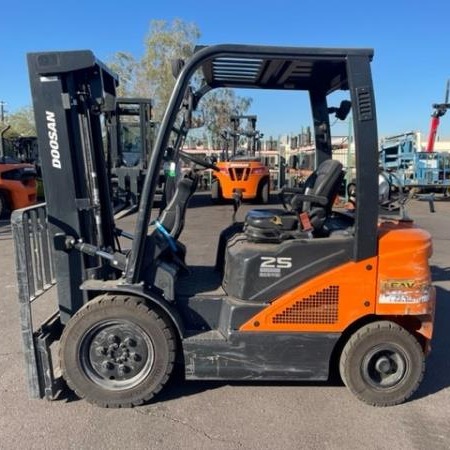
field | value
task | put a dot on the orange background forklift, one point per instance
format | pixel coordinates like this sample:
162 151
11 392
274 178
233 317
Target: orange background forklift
18 187
241 172
294 295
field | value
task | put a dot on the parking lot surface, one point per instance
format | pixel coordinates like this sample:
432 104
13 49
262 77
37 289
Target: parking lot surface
223 415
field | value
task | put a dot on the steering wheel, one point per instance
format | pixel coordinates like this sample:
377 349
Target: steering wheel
199 161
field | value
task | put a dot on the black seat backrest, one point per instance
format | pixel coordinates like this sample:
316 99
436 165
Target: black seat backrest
172 218
325 181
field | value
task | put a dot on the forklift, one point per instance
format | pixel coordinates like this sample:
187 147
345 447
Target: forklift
130 138
295 294
18 187
242 173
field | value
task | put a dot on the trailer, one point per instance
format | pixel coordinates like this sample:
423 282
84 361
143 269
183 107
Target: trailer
413 168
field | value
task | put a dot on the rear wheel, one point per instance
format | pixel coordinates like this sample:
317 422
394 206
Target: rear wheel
117 352
264 192
216 191
3 205
382 364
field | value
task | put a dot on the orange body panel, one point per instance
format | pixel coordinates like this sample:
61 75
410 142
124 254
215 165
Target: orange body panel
397 283
328 303
19 193
241 175
403 267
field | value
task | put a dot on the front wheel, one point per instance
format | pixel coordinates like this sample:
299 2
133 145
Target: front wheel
382 364
216 191
117 352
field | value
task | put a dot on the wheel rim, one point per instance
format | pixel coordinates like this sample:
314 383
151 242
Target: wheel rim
116 354
385 366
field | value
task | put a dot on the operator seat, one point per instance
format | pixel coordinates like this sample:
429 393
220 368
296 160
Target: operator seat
276 225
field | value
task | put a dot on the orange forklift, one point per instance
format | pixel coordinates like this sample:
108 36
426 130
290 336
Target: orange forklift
242 173
18 187
295 294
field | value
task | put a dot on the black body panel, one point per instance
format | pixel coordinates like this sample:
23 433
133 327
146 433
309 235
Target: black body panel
259 356
204 305
261 272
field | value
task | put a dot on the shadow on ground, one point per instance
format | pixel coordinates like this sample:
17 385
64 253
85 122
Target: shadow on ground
438 362
203 198
5 229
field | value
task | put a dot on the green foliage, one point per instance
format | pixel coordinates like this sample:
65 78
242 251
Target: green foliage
127 68
152 75
218 106
164 43
21 123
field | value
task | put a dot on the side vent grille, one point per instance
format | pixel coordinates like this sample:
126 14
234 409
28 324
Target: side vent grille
321 307
365 108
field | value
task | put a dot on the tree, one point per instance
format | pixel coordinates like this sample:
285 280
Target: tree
152 75
127 68
21 122
218 106
164 43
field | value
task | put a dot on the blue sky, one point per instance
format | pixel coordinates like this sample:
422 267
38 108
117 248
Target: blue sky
411 41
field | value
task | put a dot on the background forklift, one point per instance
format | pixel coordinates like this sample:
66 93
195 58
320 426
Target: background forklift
242 171
294 294
130 139
18 187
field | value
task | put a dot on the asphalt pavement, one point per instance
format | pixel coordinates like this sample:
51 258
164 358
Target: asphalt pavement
223 415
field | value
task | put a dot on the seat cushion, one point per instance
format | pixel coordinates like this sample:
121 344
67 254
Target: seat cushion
270 225
278 219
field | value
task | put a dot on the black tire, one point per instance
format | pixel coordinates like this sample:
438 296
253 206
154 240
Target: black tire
216 191
264 192
3 205
382 364
117 352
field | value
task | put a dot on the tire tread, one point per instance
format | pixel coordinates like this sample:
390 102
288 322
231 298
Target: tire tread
131 302
361 334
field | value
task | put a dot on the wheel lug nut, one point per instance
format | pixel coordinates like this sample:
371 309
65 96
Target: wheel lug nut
113 339
123 369
135 356
101 351
130 342
107 365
